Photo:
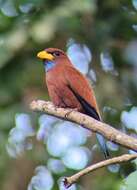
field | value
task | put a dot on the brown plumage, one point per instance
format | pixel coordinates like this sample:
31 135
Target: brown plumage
68 88
59 80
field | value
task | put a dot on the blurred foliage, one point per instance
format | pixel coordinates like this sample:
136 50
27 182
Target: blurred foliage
130 181
109 29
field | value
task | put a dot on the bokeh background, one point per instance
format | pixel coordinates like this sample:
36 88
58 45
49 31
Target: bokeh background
100 37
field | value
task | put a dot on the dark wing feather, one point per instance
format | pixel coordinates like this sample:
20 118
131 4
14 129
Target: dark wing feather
90 110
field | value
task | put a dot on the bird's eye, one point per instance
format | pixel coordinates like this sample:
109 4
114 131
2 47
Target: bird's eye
56 54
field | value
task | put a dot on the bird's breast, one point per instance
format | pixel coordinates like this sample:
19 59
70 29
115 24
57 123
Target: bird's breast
59 91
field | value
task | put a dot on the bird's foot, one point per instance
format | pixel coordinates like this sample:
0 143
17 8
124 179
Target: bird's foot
70 111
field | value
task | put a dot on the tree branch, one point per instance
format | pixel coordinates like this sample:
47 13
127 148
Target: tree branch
68 181
96 126
106 130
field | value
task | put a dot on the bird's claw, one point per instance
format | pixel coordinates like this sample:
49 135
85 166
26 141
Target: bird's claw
69 112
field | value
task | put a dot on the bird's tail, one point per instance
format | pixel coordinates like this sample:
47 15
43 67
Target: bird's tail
102 142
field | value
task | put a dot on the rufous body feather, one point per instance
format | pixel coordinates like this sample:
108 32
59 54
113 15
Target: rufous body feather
68 88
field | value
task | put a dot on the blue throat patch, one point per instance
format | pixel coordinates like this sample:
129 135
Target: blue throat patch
48 65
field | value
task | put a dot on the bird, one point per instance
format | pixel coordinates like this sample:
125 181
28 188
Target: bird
69 88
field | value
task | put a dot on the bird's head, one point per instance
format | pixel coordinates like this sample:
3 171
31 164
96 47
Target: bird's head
51 57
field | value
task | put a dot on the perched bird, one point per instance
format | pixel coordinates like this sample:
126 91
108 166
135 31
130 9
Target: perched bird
68 88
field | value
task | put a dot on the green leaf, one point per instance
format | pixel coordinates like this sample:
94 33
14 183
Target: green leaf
131 181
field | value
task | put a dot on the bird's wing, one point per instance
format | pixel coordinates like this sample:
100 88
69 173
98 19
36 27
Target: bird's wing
82 90
88 109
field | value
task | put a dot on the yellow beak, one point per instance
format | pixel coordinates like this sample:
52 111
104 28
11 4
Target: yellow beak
45 55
